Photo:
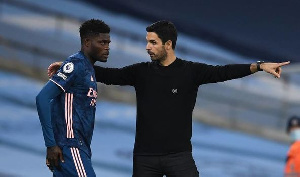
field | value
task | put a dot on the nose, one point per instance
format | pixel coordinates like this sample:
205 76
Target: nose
148 47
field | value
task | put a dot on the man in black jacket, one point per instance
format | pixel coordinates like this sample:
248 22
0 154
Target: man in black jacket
166 91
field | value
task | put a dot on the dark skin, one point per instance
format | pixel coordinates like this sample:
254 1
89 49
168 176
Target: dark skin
54 154
95 48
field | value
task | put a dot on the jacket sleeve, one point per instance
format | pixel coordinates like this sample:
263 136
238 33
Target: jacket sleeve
203 73
116 76
43 104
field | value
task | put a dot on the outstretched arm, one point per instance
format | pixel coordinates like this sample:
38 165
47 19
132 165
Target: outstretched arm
116 76
211 74
109 76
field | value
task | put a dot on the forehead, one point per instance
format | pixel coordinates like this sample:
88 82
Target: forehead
103 36
152 36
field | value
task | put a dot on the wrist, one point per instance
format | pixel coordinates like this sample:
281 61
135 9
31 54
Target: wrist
259 65
51 145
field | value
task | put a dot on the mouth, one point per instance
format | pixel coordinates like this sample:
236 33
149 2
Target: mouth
151 54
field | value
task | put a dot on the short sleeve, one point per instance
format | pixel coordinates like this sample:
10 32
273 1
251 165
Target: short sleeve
67 74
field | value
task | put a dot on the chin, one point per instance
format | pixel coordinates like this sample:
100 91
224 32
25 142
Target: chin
103 60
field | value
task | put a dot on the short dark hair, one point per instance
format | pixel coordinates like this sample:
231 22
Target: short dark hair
165 30
293 121
93 27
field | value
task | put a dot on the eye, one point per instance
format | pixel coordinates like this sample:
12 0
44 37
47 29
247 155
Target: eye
104 42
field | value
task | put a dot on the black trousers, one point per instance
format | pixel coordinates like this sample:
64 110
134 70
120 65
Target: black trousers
172 165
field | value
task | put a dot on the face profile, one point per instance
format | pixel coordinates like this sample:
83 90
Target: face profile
99 47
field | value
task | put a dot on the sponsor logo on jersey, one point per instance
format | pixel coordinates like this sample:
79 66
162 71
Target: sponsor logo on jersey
68 67
64 77
92 93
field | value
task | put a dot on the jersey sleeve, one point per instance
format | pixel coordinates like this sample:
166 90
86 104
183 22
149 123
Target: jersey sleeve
67 74
203 73
43 99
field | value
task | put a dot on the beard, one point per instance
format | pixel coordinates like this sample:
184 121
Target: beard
161 56
96 56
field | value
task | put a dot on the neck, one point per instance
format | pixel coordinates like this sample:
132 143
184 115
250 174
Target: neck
169 59
87 56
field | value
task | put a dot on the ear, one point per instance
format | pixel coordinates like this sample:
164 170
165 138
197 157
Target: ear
168 45
86 42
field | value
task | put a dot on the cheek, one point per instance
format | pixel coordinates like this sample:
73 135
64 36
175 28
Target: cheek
156 50
97 49
159 50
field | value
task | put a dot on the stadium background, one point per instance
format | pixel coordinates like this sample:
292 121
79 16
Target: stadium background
238 127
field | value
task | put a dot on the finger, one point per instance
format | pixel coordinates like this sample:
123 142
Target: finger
47 162
284 63
50 67
61 156
51 74
49 71
51 168
275 74
56 162
279 70
51 162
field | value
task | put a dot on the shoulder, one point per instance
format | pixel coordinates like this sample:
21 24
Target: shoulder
187 62
72 64
141 64
192 64
76 58
138 65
